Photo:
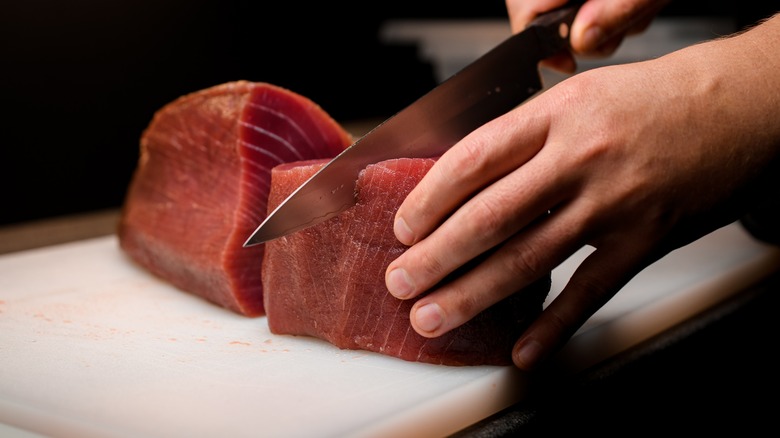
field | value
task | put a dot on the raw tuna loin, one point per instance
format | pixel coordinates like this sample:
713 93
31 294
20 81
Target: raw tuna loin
327 281
202 182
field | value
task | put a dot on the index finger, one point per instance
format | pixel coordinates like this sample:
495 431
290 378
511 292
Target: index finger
481 158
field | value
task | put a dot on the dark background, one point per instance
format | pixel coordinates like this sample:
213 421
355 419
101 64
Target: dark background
82 79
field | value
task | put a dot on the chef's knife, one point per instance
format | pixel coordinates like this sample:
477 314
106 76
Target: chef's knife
489 87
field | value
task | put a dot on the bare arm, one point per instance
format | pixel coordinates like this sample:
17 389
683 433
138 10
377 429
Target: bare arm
635 160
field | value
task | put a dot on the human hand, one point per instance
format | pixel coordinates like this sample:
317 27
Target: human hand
634 160
597 31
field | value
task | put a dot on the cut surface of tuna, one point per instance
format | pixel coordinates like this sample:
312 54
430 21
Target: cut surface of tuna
202 180
327 281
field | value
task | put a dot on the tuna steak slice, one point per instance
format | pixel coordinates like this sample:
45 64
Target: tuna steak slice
202 181
327 281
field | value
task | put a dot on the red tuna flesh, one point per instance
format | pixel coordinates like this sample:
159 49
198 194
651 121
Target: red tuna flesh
327 281
202 181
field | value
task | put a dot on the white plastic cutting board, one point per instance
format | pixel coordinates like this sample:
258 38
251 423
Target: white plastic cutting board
91 345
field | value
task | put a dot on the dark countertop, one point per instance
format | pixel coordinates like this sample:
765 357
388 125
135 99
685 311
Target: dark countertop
716 372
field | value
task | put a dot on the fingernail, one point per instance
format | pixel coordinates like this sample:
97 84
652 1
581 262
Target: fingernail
528 354
402 231
429 317
592 38
399 283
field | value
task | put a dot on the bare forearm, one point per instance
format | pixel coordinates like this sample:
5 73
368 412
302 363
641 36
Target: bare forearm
676 144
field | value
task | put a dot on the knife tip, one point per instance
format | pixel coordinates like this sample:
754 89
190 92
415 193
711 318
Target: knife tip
253 240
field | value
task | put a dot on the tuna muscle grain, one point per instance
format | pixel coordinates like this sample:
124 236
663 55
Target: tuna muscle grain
327 281
202 181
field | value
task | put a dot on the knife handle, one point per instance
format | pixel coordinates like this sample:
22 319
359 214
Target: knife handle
554 27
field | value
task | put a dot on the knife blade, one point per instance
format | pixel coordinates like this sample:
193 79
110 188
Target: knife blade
495 83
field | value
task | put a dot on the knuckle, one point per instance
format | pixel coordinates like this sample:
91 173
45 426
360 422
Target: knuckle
524 261
469 164
592 290
461 304
556 323
471 155
468 305
430 266
488 218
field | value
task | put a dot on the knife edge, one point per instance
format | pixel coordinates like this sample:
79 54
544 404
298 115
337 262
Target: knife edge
430 125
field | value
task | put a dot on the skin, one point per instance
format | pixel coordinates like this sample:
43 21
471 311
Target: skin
634 160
